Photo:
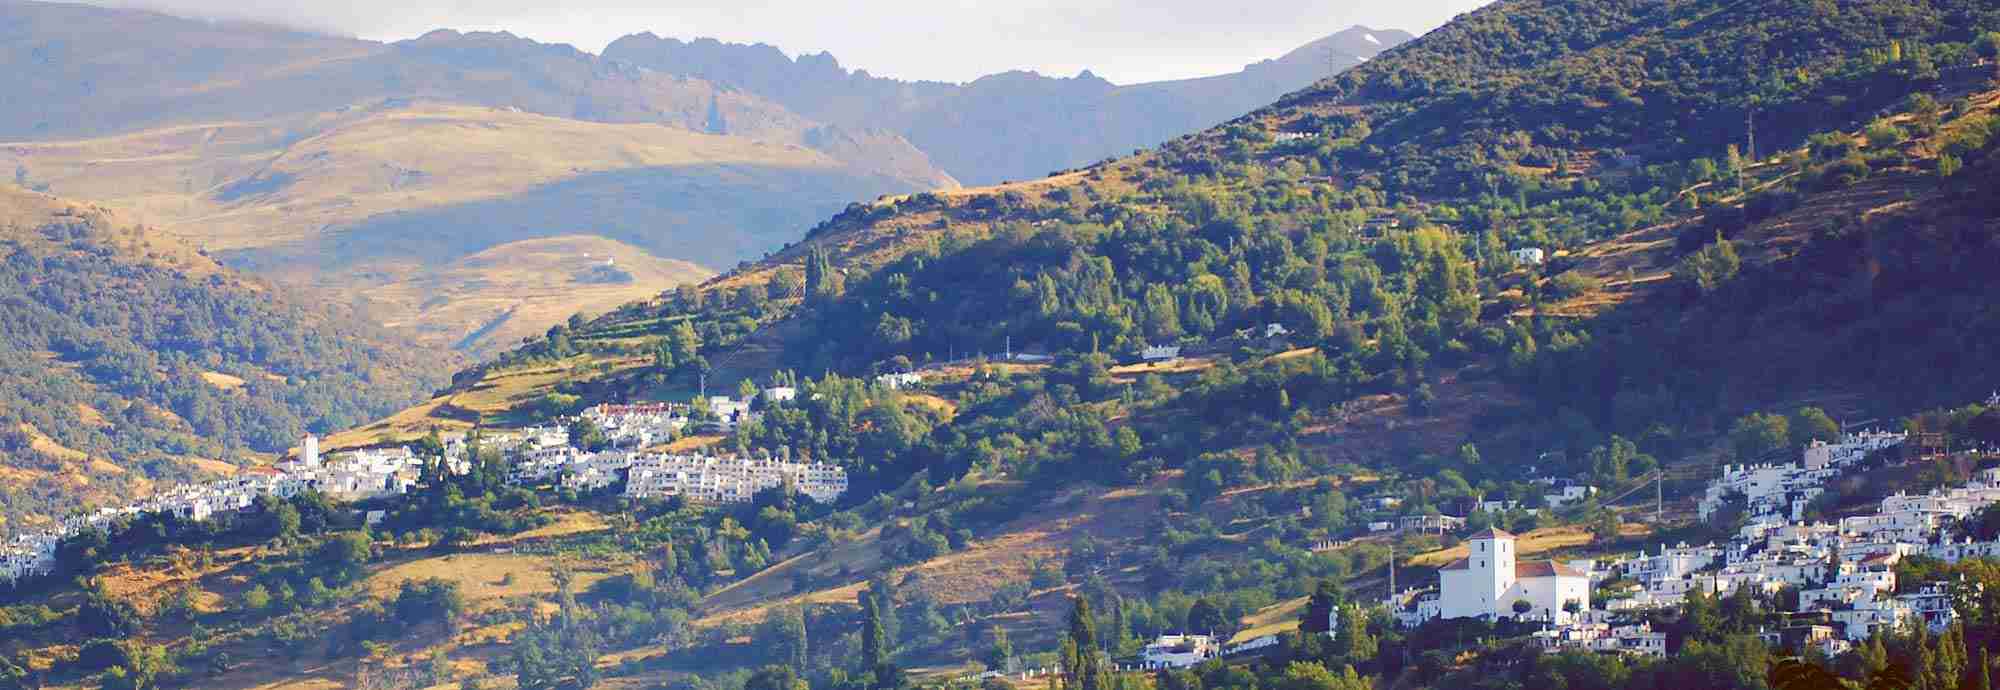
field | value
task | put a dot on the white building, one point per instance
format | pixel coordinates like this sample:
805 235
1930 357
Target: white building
730 480
309 451
1487 582
1178 651
1532 256
896 382
1160 353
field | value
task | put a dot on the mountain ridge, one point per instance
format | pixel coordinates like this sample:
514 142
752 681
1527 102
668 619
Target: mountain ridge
941 117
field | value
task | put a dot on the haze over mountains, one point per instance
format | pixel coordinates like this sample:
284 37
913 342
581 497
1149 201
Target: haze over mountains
1015 125
360 167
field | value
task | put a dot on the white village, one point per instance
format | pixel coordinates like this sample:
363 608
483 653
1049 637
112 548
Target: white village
536 456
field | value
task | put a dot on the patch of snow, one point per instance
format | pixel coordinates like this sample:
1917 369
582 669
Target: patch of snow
1372 39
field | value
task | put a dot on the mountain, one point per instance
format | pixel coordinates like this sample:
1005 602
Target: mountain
130 359
1016 125
359 167
265 145
1685 305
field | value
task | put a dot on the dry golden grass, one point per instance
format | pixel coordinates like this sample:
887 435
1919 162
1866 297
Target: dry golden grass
1537 541
90 416
359 163
212 466
502 294
691 443
221 381
486 402
941 405
1132 372
1271 620
486 579
334 170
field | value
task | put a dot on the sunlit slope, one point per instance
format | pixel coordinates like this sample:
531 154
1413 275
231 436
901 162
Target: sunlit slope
367 199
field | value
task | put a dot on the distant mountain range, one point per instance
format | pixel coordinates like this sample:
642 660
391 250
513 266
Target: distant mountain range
1014 125
363 167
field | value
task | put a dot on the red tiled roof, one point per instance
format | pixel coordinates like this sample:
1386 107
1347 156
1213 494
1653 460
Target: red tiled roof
1544 569
1522 570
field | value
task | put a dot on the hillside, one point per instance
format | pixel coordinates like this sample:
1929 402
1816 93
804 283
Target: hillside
1012 126
294 155
131 359
1843 270
330 200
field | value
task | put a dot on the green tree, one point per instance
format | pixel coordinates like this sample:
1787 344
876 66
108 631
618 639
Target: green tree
1812 424
1707 269
874 644
785 630
1353 641
1757 434
257 599
342 555
775 678
1320 608
1089 671
1799 674
1204 617
1000 652
1988 45
1310 675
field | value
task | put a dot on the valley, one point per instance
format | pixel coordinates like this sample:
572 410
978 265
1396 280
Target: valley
1702 336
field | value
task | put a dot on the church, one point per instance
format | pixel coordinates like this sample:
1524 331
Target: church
1486 583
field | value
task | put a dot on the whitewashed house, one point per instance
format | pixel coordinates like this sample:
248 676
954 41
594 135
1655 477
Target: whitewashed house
900 381
1178 651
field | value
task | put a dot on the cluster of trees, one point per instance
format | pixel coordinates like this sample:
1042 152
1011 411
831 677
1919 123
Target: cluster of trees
137 335
1797 71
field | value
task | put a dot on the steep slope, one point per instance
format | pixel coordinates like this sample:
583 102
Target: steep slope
1017 125
130 358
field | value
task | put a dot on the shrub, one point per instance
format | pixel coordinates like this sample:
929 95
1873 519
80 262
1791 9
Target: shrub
1574 284
1843 172
1882 135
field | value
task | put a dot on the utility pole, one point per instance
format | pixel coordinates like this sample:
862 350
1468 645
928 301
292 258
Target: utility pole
1659 495
1392 572
1750 123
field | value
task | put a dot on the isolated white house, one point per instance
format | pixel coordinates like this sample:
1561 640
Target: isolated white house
1531 256
1179 651
1487 582
1160 353
899 381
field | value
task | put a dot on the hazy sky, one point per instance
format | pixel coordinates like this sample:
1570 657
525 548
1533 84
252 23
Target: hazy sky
953 40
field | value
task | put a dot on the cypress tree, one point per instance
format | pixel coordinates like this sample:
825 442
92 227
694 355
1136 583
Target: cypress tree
872 641
1088 670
